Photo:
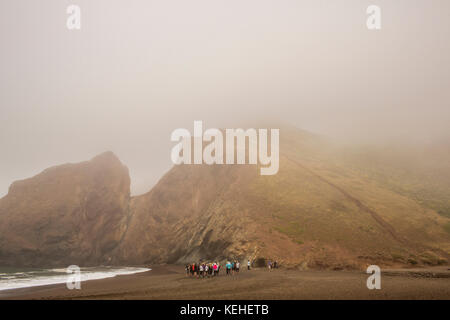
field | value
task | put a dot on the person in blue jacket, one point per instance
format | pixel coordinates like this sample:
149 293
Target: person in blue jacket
228 267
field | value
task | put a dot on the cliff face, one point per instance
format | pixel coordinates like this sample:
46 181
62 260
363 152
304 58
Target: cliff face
68 214
319 211
183 218
323 209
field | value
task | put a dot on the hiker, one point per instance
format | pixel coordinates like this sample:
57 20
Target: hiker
218 267
228 267
201 270
215 269
188 269
233 267
193 269
248 264
269 264
210 270
238 265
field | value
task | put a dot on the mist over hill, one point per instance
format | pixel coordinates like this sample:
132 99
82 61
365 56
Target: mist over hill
329 206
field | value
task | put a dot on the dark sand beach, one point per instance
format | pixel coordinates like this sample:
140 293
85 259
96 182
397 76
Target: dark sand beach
170 282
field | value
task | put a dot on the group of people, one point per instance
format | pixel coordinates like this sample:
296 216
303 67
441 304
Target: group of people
212 269
232 267
272 265
203 269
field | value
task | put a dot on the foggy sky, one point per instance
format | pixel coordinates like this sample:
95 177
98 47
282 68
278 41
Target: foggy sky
139 69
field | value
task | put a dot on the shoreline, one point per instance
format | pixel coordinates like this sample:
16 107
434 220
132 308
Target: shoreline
169 282
58 280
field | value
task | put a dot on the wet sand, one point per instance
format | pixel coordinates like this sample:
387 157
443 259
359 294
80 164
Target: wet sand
170 282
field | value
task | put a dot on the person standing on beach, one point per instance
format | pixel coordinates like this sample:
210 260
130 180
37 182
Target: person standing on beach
201 270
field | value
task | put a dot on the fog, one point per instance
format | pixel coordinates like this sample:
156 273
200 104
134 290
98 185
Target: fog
139 69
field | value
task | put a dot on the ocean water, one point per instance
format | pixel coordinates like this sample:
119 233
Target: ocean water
11 278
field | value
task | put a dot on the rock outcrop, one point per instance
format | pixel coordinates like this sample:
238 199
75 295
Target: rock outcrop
321 210
68 214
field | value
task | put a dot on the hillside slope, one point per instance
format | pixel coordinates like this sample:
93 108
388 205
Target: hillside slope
315 212
326 208
68 214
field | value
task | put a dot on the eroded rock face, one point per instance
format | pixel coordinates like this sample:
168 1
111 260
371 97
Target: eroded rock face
68 214
317 212
183 219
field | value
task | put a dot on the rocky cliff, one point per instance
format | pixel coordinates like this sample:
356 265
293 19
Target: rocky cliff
68 214
324 209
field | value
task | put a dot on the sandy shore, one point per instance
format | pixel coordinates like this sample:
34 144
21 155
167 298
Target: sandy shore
170 282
